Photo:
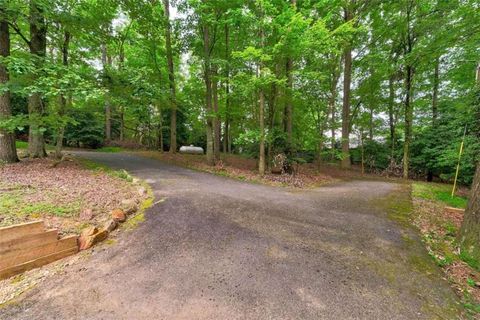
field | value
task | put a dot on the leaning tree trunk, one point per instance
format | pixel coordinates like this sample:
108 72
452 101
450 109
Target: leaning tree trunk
171 78
38 48
8 151
347 80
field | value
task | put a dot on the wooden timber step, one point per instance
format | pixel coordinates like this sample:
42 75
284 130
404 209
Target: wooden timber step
29 245
29 241
19 230
11 271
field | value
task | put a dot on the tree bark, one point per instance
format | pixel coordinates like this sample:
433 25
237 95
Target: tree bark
227 91
38 48
208 95
160 130
289 95
335 75
347 79
391 118
436 82
62 100
8 150
108 108
469 235
408 95
171 78
216 119
408 121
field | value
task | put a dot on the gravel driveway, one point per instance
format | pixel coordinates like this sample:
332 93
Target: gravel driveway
217 248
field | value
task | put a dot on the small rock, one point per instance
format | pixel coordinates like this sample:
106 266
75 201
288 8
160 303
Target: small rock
142 191
129 205
89 231
86 214
85 242
110 225
118 215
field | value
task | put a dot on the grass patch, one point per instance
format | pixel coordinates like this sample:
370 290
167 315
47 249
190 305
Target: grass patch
438 192
14 205
95 166
21 144
110 149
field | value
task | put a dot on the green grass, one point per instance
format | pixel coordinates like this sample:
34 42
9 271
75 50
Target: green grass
438 192
21 144
110 149
13 206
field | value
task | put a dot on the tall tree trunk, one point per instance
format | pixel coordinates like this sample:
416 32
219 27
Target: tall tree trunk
335 76
408 121
227 91
289 95
436 82
391 118
160 130
216 119
8 151
62 100
108 108
171 78
208 95
469 235
408 95
347 79
38 48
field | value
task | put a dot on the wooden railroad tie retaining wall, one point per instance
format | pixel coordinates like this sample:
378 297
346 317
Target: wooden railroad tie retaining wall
29 245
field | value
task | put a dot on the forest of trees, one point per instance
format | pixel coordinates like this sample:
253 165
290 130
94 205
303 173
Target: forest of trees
389 84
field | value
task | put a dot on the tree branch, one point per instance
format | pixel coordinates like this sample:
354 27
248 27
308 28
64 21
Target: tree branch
19 32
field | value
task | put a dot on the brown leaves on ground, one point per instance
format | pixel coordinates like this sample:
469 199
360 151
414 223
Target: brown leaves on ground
242 168
439 229
58 192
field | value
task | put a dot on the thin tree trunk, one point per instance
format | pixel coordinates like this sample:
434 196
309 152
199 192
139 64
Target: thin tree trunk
108 109
171 78
289 96
332 106
8 151
216 120
391 119
226 132
208 95
160 130
347 79
436 82
38 48
408 96
62 100
408 121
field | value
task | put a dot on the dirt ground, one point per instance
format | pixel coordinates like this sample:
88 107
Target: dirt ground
67 195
